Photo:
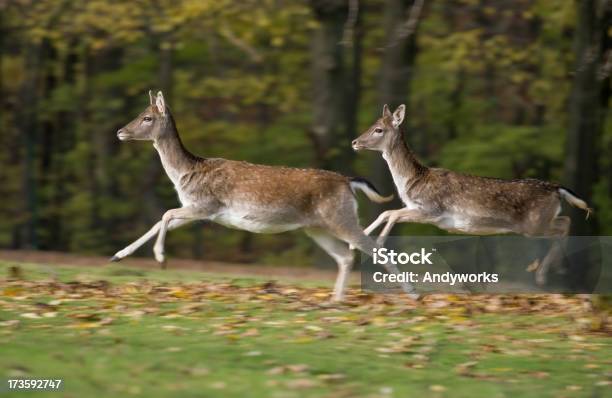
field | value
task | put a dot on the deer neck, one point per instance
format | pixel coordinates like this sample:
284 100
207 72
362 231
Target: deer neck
403 165
175 159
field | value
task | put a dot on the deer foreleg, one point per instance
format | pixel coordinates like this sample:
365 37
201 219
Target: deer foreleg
401 215
182 215
381 218
132 247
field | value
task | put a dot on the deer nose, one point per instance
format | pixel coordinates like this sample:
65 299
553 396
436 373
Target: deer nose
355 144
121 134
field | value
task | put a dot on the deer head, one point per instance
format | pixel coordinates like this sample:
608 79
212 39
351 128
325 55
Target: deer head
383 133
150 124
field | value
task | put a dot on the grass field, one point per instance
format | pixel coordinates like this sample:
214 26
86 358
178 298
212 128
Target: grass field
119 331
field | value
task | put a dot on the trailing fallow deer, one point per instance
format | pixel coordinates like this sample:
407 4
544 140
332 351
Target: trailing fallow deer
465 203
255 198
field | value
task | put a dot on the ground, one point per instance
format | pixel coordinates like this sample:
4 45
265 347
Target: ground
128 331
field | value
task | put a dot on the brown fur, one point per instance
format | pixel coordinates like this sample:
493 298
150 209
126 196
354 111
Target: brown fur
256 198
230 180
460 202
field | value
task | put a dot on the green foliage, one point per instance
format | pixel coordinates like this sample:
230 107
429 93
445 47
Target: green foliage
506 152
488 96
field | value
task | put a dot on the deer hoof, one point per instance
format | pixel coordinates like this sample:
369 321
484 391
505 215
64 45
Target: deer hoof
159 257
533 266
415 296
115 259
540 278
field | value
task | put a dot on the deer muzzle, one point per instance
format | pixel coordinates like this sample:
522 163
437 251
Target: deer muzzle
122 134
357 145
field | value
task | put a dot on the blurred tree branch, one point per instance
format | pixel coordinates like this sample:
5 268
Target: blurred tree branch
405 30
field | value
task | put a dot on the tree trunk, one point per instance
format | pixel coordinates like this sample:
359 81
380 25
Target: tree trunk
165 69
28 125
153 209
48 151
354 48
2 99
585 112
65 122
606 92
394 85
455 99
585 129
333 113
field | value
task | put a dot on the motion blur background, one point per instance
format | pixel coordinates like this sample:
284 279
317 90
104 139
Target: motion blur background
510 89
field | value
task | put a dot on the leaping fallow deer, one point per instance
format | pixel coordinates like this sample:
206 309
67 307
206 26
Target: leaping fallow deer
465 203
252 197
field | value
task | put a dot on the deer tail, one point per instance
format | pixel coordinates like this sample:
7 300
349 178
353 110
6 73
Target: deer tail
571 198
365 186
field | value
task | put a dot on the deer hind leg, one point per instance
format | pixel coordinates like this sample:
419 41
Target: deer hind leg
132 247
356 238
340 252
382 217
559 227
343 223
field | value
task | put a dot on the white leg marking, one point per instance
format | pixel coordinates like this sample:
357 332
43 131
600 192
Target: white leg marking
399 216
131 248
379 220
338 250
184 214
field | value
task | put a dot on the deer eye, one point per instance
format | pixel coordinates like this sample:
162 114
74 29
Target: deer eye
147 118
378 130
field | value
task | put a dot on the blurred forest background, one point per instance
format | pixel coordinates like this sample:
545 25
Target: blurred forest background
509 89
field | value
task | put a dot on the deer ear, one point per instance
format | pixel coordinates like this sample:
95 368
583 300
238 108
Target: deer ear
398 115
160 103
150 97
386 111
